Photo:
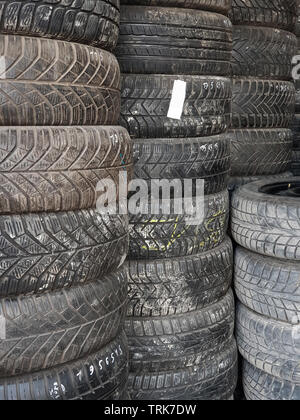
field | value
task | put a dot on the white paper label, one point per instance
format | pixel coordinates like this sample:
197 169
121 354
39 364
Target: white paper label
177 100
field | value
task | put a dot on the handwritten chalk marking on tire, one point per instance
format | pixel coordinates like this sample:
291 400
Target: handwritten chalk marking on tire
177 100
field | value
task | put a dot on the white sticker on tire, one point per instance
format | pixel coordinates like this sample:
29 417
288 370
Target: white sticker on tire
177 100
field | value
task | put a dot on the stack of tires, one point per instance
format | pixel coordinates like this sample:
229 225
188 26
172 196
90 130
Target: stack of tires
265 223
63 289
296 122
180 318
263 91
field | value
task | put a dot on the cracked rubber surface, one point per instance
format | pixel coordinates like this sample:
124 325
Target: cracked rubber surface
179 285
146 102
266 224
205 158
259 103
168 236
55 328
93 22
270 13
49 82
58 168
268 286
48 251
101 376
158 40
260 152
263 52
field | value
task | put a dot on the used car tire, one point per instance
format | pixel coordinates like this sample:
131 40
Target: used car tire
271 13
179 285
93 22
221 6
43 252
58 168
263 52
259 385
267 286
146 102
205 158
50 82
101 376
260 152
265 222
259 103
168 236
55 328
159 40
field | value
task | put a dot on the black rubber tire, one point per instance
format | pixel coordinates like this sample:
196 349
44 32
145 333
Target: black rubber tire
168 236
179 285
259 385
49 251
215 379
236 182
269 344
296 130
58 168
169 343
49 82
260 152
220 6
271 13
295 166
159 40
41 332
259 103
266 224
92 22
268 286
146 101
297 85
263 52
205 158
95 377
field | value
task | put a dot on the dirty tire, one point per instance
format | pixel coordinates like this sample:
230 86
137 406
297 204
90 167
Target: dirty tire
270 13
48 251
260 152
60 327
259 103
59 168
215 379
93 22
49 82
90 378
263 52
179 285
267 286
159 40
220 6
146 101
264 223
168 236
170 342
296 130
259 385
295 166
268 344
236 182
205 158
